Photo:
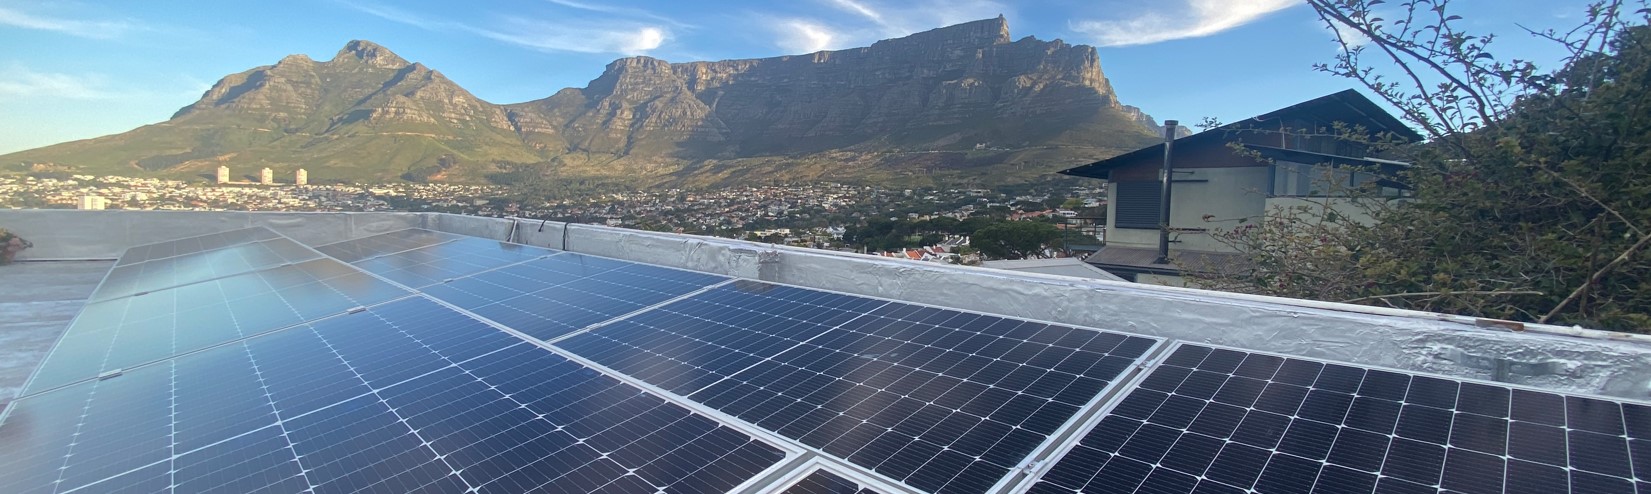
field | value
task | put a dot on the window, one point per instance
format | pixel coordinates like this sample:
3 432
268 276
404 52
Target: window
1137 204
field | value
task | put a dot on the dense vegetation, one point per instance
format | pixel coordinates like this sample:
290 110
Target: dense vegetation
1532 193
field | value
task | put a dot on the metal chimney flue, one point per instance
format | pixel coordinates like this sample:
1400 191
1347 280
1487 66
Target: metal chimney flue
1167 175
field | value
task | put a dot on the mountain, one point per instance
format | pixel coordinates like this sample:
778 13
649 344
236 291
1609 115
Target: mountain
963 101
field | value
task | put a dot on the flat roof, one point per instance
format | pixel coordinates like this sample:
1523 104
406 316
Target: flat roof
421 321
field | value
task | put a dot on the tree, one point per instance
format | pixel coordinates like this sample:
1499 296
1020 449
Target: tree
1014 239
1531 197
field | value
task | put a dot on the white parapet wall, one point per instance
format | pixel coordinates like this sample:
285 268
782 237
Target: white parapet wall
1548 357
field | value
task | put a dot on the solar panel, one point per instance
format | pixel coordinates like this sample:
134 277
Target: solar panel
942 400
199 266
557 295
433 264
406 396
385 243
190 245
822 481
124 332
1218 420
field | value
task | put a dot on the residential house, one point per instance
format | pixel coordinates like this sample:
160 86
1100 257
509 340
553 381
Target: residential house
1239 171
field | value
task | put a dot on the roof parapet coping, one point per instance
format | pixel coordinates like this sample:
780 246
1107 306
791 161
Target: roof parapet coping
1570 359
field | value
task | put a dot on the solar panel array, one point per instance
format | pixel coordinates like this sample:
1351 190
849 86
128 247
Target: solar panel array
942 400
319 377
823 481
123 332
433 362
190 245
1216 420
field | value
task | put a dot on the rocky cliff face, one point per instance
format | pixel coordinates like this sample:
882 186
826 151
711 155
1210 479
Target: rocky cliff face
1152 124
953 89
950 88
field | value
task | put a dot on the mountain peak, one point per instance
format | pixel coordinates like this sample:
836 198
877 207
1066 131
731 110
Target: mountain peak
371 54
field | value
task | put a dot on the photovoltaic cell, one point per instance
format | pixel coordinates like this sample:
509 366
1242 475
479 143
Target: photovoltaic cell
128 331
190 245
824 482
405 397
436 263
942 400
385 243
1217 420
551 297
201 266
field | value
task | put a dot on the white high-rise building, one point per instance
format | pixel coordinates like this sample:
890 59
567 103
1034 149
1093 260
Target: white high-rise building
93 202
266 177
223 174
302 177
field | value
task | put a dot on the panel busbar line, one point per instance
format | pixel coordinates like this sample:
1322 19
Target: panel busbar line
823 481
190 245
1217 420
941 400
408 396
385 243
550 297
436 263
120 333
187 269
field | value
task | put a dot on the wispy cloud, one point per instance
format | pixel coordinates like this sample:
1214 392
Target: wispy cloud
85 28
1179 20
395 14
872 21
566 35
18 82
1347 34
620 11
895 19
553 36
802 36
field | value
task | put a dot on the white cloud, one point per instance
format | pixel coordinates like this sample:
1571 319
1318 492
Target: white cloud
801 36
859 8
1179 20
397 15
1352 37
873 21
96 29
621 11
20 83
896 19
569 35
547 36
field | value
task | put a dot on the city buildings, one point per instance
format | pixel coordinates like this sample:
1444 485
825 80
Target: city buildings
93 202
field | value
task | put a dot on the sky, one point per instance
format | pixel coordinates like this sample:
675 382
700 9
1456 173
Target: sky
76 69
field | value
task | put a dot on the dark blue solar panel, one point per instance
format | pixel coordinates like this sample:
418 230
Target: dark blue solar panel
1284 424
436 263
551 297
408 396
191 245
824 482
129 331
385 243
942 400
197 267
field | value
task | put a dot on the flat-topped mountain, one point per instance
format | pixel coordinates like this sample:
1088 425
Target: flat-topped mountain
961 100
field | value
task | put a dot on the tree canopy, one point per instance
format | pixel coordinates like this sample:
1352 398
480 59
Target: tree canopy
1532 194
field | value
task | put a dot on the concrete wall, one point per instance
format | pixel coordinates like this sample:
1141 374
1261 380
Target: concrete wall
1228 194
1564 359
1316 206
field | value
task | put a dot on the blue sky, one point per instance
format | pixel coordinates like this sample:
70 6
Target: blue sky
74 69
